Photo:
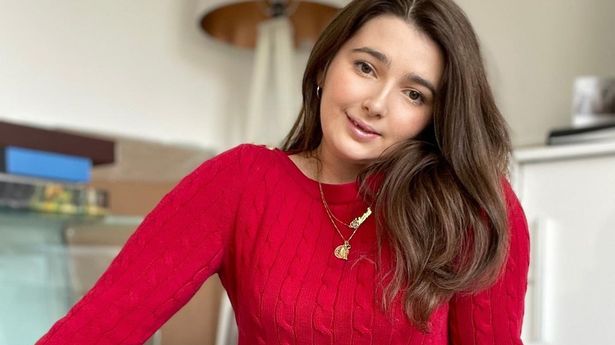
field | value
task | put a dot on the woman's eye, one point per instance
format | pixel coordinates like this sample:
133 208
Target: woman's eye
363 67
415 96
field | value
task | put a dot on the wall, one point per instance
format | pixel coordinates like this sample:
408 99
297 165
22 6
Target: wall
534 49
137 68
144 69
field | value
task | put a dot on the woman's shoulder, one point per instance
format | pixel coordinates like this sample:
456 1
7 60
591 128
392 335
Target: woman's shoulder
517 221
237 167
257 148
253 152
246 151
247 157
512 201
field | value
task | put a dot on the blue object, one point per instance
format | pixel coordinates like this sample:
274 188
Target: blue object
48 165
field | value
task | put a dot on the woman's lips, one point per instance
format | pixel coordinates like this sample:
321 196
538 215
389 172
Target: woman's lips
360 133
362 127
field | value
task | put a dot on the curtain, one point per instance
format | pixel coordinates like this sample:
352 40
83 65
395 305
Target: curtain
274 99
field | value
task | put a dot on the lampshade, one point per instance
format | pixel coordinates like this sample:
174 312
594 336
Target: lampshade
236 22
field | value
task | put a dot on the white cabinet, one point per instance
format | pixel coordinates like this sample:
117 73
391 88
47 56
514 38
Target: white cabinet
568 193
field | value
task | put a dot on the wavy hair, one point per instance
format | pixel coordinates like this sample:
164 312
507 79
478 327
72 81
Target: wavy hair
440 203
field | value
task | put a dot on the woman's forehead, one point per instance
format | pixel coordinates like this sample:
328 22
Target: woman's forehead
399 44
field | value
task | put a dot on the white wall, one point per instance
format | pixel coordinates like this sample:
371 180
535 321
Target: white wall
143 68
137 67
534 50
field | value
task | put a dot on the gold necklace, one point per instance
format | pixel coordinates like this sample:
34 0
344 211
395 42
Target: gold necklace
355 222
341 251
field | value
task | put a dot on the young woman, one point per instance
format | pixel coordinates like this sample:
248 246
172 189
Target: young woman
385 218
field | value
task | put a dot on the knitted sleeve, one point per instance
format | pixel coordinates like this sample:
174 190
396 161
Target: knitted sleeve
179 244
494 316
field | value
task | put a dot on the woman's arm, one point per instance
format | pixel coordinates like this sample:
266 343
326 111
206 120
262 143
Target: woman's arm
495 316
179 244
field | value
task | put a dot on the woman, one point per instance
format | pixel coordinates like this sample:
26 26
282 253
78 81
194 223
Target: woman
385 218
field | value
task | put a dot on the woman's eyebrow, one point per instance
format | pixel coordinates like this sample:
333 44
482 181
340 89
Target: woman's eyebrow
373 52
415 78
412 77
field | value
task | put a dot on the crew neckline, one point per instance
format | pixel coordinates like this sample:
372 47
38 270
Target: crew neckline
334 193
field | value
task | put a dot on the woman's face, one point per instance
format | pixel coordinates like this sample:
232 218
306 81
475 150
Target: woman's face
378 90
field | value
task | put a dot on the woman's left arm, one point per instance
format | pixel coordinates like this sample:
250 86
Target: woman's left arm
494 316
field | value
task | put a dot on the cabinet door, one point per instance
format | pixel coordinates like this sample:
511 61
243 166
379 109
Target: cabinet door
33 277
570 206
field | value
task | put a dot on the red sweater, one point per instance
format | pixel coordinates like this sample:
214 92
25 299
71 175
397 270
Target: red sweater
251 216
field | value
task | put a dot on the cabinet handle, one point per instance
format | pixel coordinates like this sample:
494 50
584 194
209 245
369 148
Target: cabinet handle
541 238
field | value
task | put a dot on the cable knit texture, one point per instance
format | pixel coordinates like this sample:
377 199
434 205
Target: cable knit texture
251 216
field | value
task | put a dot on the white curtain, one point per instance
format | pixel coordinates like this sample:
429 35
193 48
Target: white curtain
275 93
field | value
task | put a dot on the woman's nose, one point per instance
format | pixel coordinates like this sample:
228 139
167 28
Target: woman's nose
375 104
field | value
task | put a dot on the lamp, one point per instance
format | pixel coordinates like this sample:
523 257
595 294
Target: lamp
274 29
236 22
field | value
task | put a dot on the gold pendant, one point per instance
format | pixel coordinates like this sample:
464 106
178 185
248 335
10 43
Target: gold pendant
342 251
356 223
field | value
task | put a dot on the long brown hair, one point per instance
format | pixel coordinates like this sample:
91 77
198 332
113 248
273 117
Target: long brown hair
440 202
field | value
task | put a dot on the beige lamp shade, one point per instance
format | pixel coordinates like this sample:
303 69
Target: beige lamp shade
236 22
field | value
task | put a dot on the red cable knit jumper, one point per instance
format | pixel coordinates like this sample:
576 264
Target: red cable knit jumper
250 215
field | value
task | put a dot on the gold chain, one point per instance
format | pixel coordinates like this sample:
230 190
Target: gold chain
355 222
341 251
